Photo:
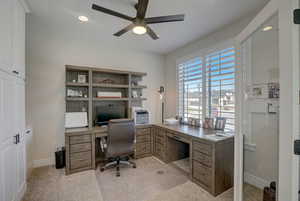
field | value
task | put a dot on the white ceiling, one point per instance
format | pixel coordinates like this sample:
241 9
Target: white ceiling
202 18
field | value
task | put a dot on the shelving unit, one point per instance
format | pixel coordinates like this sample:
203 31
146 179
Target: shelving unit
83 92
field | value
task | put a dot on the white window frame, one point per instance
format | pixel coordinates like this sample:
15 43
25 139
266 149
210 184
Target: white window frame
202 53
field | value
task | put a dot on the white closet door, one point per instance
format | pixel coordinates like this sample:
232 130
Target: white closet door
19 40
6 16
8 130
8 157
20 121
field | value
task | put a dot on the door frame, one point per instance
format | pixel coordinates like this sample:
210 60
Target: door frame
288 174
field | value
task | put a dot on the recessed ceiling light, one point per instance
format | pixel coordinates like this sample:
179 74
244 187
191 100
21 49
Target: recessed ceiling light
83 18
267 28
139 30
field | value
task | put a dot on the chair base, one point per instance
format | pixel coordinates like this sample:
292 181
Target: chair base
115 163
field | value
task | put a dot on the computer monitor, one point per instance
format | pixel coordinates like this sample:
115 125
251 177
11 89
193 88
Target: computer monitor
106 112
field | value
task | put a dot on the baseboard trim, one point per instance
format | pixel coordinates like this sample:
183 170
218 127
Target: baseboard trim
255 181
43 162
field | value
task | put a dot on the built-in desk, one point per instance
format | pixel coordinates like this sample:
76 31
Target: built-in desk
211 152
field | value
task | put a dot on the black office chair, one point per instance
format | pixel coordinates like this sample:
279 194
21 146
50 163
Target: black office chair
120 144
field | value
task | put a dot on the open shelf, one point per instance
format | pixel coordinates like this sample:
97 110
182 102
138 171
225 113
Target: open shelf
139 99
110 99
110 85
139 87
77 99
76 84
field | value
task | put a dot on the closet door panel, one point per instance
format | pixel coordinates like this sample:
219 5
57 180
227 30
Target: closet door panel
19 40
8 104
6 19
20 120
8 163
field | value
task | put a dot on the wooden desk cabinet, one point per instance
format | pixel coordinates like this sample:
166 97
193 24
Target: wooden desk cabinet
79 151
212 165
81 148
211 162
143 146
159 143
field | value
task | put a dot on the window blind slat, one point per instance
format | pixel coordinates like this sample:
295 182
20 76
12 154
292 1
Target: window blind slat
220 83
190 76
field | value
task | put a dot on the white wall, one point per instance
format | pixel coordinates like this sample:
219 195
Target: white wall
211 40
49 49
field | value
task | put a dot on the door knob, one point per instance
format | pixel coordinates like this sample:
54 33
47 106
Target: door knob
15 72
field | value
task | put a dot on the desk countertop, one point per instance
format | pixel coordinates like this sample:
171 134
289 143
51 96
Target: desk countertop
195 132
191 131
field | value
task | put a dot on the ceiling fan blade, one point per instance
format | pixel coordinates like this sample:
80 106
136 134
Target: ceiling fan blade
126 29
162 19
151 33
142 8
111 12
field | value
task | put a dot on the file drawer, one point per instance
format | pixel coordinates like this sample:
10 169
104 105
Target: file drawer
75 148
203 148
80 139
202 158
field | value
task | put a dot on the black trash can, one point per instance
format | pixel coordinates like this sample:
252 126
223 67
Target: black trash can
60 158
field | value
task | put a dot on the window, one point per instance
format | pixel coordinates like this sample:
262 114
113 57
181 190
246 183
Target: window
190 89
212 81
220 67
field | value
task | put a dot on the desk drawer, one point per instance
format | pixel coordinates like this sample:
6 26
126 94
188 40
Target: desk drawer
75 148
82 155
202 158
80 139
81 163
159 139
203 148
142 148
159 150
143 138
202 174
142 131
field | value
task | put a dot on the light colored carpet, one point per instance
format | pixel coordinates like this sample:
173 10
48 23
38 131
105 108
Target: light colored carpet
151 181
151 177
190 192
49 184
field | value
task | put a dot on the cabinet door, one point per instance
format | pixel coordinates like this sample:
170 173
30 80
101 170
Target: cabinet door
6 18
21 166
7 104
20 122
8 157
19 40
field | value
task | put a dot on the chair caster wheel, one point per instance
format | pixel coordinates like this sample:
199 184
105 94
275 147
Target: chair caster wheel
134 166
118 174
101 169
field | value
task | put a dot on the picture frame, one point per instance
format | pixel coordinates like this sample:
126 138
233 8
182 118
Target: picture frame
208 123
81 78
220 123
135 94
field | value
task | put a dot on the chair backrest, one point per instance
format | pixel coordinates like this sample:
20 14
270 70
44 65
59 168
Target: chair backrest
121 136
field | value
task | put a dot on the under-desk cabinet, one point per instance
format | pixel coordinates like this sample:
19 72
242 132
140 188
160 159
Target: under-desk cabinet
143 146
159 143
212 165
79 152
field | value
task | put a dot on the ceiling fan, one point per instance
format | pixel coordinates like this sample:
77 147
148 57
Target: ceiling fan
140 23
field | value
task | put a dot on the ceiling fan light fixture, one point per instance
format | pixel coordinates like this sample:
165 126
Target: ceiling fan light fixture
83 18
139 30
